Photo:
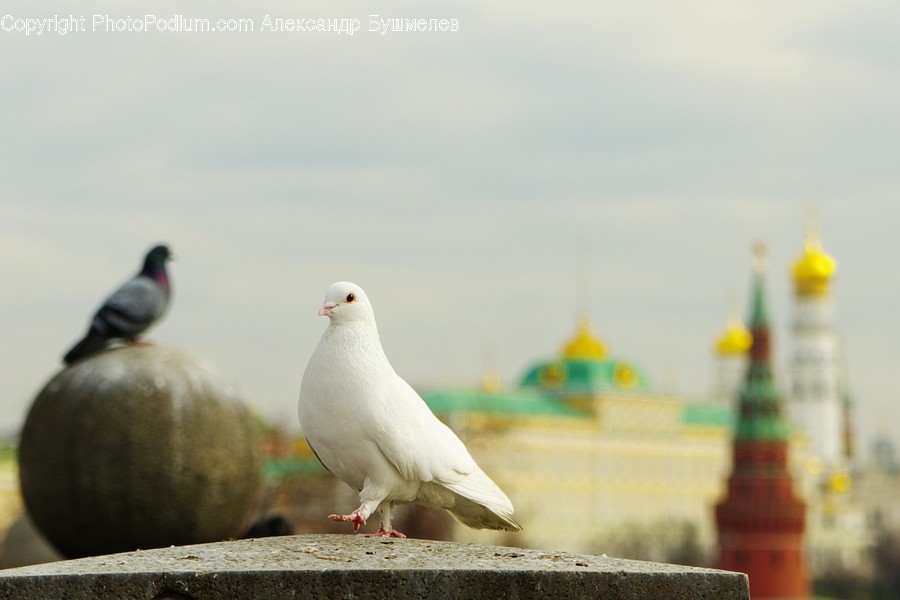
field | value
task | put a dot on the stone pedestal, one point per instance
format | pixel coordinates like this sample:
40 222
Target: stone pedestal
364 568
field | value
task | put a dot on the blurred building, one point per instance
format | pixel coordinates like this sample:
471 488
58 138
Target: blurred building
762 520
818 404
818 400
595 457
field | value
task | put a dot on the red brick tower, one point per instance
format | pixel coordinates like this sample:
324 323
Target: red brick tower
761 520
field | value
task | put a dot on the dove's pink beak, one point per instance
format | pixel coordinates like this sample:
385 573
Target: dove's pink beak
326 309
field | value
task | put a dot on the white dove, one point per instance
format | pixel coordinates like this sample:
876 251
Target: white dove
369 427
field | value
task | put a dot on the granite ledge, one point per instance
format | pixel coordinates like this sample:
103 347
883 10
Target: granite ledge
359 567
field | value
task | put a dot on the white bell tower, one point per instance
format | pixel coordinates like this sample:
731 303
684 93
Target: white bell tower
817 395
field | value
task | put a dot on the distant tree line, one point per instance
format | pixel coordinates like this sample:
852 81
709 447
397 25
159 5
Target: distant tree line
882 584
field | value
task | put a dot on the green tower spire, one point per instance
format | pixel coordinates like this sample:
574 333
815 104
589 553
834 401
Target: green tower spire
761 520
760 401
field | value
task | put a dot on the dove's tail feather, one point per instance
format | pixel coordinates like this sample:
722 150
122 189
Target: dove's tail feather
92 343
479 503
478 516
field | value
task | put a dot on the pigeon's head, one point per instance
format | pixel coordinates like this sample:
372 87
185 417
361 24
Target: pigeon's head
158 256
346 302
155 265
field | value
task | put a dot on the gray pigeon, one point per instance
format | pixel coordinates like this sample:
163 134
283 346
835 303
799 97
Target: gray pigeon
131 309
374 432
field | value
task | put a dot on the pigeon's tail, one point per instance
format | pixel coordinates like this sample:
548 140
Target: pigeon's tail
479 503
92 343
479 516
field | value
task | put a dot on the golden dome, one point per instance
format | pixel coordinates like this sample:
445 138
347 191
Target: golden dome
840 482
735 340
625 375
584 346
490 381
814 269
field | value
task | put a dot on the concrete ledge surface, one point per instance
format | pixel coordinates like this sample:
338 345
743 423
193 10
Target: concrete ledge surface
359 567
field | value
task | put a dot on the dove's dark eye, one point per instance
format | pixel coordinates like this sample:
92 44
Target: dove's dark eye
351 297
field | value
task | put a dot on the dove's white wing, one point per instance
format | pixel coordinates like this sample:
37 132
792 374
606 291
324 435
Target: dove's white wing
422 448
418 444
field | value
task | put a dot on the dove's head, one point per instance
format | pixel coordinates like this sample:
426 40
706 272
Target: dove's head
346 302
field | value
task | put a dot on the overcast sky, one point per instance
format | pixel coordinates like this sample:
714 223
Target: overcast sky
460 177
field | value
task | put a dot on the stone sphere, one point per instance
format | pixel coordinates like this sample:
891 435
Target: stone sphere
139 447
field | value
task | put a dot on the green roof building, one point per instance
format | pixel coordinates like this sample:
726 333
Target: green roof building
591 452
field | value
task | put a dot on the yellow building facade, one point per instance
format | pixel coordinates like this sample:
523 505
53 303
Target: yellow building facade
594 456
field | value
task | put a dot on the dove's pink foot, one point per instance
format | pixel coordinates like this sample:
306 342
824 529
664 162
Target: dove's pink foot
355 517
389 532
